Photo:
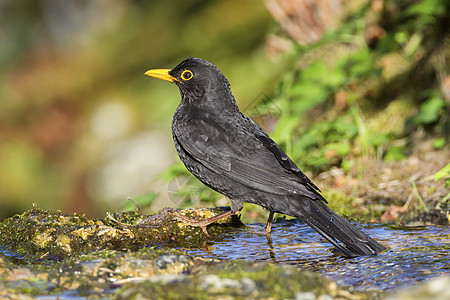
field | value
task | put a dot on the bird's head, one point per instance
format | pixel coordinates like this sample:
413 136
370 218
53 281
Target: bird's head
200 82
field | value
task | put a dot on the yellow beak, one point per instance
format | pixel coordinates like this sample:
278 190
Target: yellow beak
161 74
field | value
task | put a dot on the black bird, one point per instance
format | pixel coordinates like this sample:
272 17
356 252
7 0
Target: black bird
231 154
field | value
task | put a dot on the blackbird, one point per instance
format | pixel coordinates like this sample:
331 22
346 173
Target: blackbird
231 154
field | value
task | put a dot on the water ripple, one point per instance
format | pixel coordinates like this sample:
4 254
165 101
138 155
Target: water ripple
415 253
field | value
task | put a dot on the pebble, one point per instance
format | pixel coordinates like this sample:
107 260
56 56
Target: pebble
305 296
215 284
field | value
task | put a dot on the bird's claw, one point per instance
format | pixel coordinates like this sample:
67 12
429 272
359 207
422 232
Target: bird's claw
193 222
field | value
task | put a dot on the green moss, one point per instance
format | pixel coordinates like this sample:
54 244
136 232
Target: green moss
151 273
41 235
347 205
236 280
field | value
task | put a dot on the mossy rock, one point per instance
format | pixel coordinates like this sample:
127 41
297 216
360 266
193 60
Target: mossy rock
52 235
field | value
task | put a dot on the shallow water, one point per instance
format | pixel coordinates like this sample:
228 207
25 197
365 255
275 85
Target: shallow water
415 254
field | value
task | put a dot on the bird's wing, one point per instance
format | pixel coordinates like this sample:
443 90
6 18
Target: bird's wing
244 154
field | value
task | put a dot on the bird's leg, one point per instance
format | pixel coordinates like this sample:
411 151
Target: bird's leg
203 223
269 223
236 207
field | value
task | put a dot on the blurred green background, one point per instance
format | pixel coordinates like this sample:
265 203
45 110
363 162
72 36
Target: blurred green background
82 128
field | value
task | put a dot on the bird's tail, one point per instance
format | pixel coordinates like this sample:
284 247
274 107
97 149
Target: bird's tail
345 237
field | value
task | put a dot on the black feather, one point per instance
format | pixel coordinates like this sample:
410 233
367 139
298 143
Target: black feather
230 153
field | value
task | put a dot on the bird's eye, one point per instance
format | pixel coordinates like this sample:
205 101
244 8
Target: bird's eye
187 75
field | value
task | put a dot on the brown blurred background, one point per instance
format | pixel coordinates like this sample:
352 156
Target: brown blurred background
81 127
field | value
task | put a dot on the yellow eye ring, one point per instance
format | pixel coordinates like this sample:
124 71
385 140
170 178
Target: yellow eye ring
187 75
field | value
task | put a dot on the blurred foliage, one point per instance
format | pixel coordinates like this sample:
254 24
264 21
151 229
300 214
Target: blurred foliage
358 79
431 110
184 189
139 201
74 100
444 173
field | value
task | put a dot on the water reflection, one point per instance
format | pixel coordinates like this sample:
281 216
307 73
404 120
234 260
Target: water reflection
415 253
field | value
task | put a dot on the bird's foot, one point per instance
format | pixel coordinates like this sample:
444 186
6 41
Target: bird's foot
203 224
193 222
268 229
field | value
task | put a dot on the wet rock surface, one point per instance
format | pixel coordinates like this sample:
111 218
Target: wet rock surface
164 274
51 255
52 235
